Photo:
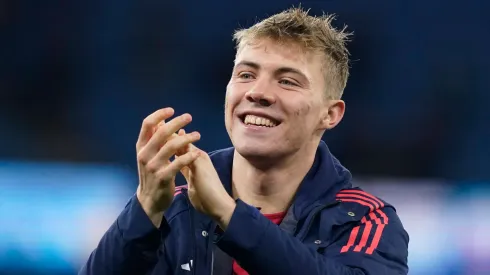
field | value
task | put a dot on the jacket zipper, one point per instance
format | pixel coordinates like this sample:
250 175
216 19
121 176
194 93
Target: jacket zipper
313 216
193 234
210 248
212 261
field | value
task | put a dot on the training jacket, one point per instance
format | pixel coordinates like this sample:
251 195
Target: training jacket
330 229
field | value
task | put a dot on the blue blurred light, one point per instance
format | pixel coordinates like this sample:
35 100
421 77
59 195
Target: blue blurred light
52 214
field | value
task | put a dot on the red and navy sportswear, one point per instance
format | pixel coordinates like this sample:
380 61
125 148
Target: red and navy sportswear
330 229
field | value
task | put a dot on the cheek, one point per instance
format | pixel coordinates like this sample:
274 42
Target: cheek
303 110
304 117
230 103
233 96
227 111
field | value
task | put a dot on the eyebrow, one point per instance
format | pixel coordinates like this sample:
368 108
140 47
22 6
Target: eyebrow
278 71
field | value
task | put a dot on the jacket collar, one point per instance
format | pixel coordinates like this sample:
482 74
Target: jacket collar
323 181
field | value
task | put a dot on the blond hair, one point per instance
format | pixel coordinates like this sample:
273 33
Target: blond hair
312 33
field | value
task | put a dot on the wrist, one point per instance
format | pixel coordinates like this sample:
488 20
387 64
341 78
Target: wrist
150 209
225 212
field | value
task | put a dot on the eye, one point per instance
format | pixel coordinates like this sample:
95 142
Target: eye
245 75
287 82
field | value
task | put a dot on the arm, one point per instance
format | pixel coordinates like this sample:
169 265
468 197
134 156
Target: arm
263 248
130 246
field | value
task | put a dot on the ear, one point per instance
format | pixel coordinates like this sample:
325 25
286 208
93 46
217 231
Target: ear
333 112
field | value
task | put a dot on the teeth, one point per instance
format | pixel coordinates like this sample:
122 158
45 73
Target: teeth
259 121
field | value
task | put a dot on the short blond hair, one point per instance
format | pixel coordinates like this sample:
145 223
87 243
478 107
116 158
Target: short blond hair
312 33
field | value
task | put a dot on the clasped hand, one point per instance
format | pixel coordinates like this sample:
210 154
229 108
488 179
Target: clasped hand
156 145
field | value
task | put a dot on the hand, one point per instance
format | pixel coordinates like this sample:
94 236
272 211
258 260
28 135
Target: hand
206 192
156 144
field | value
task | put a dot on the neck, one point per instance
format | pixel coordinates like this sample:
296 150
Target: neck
271 188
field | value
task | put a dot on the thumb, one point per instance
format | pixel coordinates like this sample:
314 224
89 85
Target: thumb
185 171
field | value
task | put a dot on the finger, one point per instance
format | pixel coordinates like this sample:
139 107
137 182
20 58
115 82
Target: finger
154 162
185 172
162 157
175 166
165 132
149 124
184 149
177 144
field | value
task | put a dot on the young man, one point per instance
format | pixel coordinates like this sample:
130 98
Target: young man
278 202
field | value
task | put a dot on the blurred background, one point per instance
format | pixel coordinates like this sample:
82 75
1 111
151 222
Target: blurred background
78 77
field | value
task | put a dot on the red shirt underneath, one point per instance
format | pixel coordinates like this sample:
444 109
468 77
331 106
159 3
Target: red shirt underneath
275 218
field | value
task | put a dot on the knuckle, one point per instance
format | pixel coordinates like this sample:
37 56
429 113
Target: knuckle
163 175
181 141
146 122
180 161
141 157
138 146
162 131
189 138
171 145
152 167
174 144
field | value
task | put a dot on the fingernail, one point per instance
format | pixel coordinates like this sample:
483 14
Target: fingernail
186 117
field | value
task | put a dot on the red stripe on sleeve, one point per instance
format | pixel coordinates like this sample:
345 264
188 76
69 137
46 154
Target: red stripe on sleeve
352 240
180 187
371 207
380 225
352 196
363 193
374 218
365 236
376 238
374 221
383 215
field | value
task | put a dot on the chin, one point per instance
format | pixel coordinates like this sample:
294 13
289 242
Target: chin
257 152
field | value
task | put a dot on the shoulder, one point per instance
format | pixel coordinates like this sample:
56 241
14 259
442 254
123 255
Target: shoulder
367 205
365 231
360 198
373 217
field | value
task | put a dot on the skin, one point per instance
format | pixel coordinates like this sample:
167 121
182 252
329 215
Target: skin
279 81
288 84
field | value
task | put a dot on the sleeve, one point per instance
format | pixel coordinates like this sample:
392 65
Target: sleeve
261 247
130 246
377 245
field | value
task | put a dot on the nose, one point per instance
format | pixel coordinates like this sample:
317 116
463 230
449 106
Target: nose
260 98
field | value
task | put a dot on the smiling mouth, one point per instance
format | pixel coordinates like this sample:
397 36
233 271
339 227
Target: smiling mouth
259 121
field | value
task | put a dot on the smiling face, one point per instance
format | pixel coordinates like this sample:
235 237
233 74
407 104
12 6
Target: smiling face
275 100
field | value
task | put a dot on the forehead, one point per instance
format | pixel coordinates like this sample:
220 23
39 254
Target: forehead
269 53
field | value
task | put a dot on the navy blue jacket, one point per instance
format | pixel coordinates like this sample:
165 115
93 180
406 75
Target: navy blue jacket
330 229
